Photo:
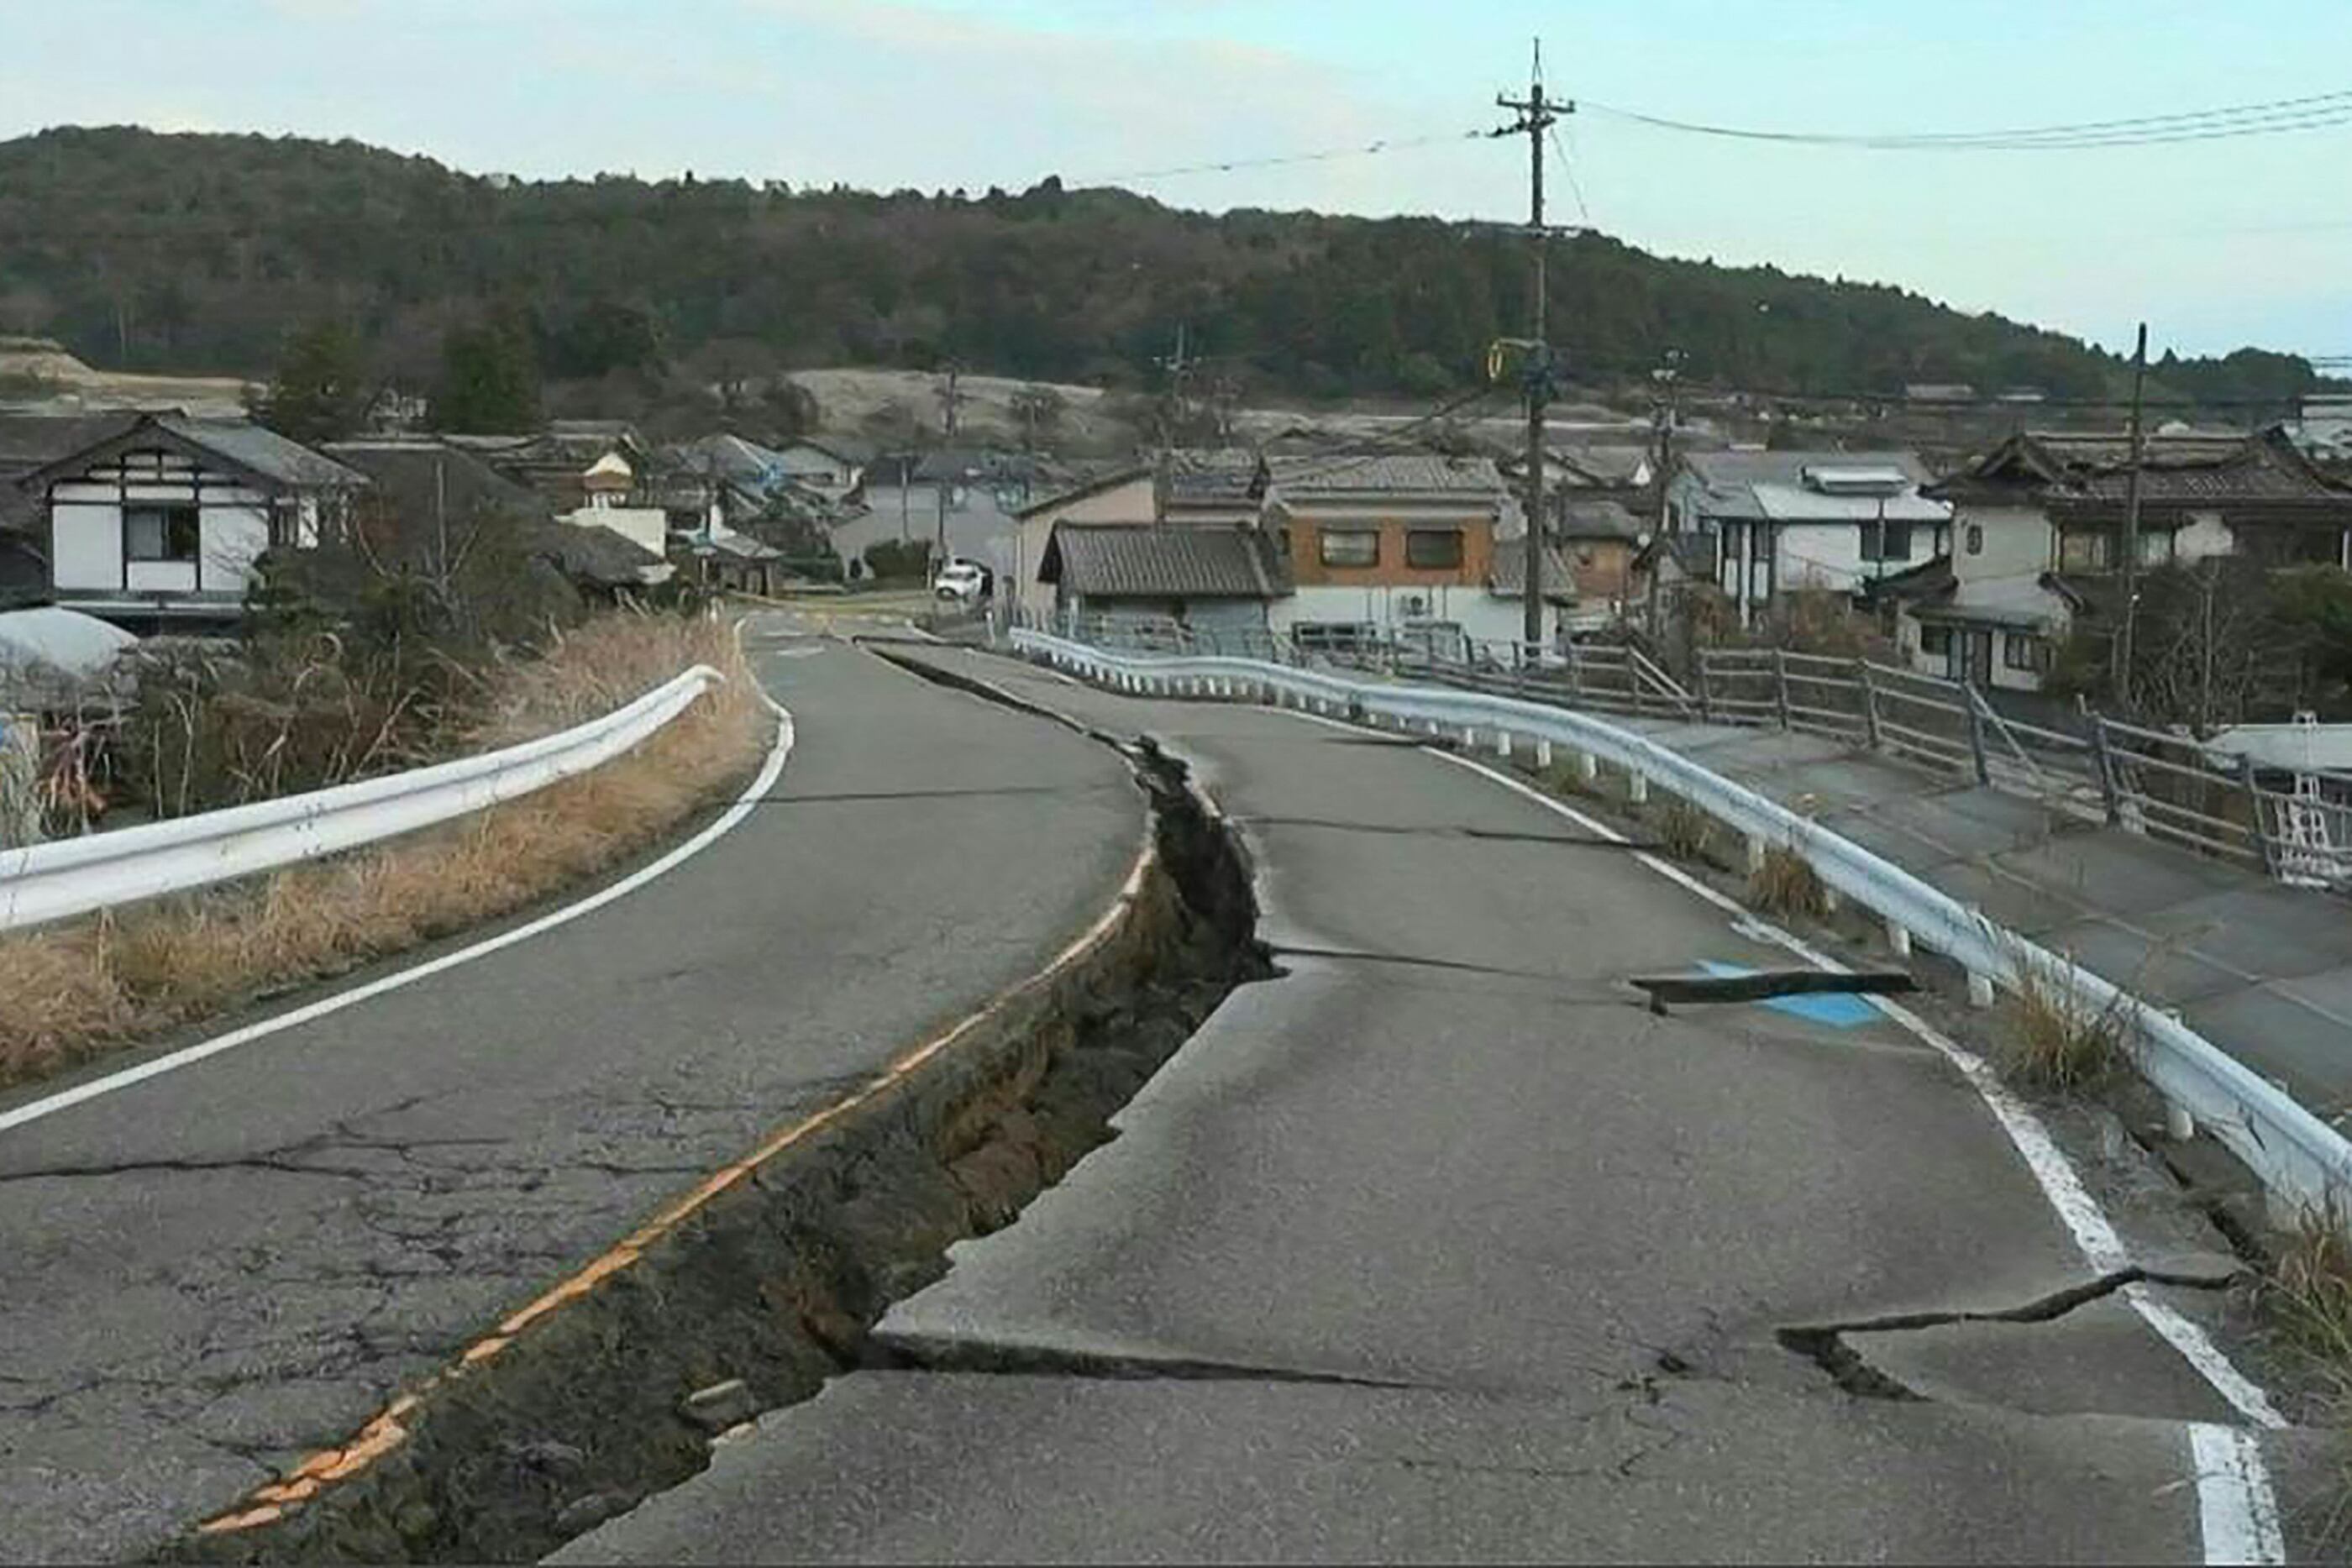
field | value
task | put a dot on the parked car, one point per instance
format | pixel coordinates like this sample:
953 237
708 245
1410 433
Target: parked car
962 582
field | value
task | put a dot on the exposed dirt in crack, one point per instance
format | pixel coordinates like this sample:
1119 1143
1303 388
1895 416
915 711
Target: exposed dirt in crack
779 1281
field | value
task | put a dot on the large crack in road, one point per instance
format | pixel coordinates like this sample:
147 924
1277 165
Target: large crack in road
773 1288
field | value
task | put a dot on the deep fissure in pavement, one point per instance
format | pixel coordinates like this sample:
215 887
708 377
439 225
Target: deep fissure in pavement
1826 1345
778 1282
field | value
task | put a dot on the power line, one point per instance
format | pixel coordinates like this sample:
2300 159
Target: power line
2315 113
1575 186
1231 166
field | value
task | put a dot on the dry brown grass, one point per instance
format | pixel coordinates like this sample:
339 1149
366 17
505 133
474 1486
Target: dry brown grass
2306 1296
2054 1037
74 992
1684 830
1785 885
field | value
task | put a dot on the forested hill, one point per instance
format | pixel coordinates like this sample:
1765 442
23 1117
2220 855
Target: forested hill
199 252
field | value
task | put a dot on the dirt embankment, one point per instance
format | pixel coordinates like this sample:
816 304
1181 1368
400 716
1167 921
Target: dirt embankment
34 369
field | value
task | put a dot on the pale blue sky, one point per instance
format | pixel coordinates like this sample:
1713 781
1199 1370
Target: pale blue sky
2217 244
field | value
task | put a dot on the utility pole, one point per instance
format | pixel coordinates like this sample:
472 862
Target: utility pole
951 398
1178 365
1537 114
2123 650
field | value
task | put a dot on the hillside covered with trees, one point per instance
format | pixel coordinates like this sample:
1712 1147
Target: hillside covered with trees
204 253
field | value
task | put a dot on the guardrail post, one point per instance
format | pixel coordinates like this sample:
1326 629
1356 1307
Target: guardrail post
1637 787
1781 684
1980 992
2262 840
1588 766
1898 940
1869 705
1757 852
1977 732
1705 701
1543 754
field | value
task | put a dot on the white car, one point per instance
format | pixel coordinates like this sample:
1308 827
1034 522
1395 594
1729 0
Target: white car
961 580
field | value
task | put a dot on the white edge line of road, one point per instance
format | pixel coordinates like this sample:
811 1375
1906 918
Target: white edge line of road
2236 1505
188 1056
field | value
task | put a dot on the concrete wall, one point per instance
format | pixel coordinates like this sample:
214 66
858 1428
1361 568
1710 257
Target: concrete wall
1204 615
1392 608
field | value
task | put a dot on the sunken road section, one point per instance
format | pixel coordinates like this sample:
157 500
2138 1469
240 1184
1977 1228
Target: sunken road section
754 1297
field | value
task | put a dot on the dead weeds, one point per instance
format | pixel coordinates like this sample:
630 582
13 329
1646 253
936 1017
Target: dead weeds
1684 830
1786 886
2054 1036
77 991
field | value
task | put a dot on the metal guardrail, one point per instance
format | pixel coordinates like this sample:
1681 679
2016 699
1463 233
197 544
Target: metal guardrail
2167 787
2299 1158
49 882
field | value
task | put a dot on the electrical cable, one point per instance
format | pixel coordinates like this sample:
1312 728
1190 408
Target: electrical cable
2313 112
1229 165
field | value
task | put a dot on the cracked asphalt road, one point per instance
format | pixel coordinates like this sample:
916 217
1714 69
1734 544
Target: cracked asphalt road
215 1272
1438 1248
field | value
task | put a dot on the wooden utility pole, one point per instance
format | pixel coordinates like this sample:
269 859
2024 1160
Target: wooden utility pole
1537 114
951 399
2123 648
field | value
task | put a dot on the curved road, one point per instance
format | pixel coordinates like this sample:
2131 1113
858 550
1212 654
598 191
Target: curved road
215 1271
1438 1247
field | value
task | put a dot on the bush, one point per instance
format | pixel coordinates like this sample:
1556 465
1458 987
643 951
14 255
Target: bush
901 560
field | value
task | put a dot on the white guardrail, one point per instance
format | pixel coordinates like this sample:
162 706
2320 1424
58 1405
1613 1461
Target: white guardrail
2300 1159
73 876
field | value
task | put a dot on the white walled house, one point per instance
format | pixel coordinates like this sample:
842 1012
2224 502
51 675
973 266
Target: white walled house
162 522
2037 538
1123 496
610 485
1790 521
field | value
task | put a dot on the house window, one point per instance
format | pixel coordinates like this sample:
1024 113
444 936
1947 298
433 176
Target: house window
2020 652
1350 547
2086 549
1886 538
1975 538
160 533
1935 641
1433 548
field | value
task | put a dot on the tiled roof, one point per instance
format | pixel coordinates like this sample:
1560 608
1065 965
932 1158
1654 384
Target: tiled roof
1110 480
414 478
29 441
1600 519
589 551
1123 562
2192 470
1385 473
1213 476
1508 575
1603 464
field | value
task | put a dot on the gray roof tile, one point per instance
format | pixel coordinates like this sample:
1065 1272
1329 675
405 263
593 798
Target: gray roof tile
1157 562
